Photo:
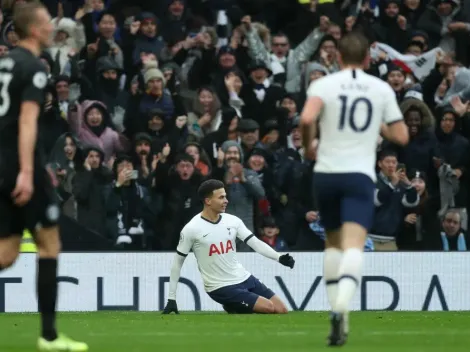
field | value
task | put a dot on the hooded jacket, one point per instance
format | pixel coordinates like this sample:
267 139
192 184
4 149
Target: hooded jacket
58 155
419 152
88 190
108 90
242 196
110 141
197 111
435 26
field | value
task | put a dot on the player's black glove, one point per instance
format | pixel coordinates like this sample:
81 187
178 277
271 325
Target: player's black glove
287 260
170 307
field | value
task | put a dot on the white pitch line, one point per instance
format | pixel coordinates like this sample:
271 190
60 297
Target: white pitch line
313 332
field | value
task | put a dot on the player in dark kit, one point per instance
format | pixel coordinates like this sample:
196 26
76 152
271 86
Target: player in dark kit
27 197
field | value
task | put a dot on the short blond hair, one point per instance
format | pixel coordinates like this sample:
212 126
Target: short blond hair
353 48
24 16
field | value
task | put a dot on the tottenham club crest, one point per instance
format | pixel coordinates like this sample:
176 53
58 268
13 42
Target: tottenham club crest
229 229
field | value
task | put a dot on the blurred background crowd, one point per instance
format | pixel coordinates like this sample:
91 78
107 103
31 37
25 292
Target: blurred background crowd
148 98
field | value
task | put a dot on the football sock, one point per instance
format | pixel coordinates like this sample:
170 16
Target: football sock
47 296
350 272
331 262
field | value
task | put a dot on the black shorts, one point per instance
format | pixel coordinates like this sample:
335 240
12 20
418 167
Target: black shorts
42 211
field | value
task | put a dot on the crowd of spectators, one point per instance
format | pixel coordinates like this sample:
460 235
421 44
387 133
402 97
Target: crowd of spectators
149 98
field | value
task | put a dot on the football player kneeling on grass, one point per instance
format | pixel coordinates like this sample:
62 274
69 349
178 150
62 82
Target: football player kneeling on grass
212 235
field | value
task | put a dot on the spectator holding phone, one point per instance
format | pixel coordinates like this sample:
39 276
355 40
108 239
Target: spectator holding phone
394 192
128 210
423 146
420 222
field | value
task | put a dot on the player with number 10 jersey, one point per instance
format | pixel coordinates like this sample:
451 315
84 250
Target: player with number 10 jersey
355 104
352 108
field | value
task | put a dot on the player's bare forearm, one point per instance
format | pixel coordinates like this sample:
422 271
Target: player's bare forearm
308 120
308 134
27 126
396 132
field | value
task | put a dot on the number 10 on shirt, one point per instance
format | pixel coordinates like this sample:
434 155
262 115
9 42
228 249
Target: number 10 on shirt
348 113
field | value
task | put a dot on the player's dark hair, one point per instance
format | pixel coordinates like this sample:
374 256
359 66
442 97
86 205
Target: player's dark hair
353 48
208 187
24 16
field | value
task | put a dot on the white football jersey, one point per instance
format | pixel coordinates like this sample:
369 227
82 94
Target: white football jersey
214 247
355 104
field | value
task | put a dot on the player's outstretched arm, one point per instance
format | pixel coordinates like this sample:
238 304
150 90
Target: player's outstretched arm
265 250
175 274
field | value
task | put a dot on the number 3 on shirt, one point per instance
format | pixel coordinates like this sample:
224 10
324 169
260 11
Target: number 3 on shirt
348 113
5 79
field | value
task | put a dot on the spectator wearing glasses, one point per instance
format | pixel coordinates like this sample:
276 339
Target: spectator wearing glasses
284 61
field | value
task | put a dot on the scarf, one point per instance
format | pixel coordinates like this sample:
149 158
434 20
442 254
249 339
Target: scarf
419 228
448 187
128 214
318 229
97 130
459 245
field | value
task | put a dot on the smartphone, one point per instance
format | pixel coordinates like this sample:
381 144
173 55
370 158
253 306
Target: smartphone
134 175
193 34
401 167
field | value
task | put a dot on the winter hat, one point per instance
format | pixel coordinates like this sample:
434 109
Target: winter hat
147 16
153 73
254 65
260 152
142 137
269 221
66 25
315 66
452 2
419 33
228 144
156 113
106 63
414 92
270 125
392 66
93 148
247 125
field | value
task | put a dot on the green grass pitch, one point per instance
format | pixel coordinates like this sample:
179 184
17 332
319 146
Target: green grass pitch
207 332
